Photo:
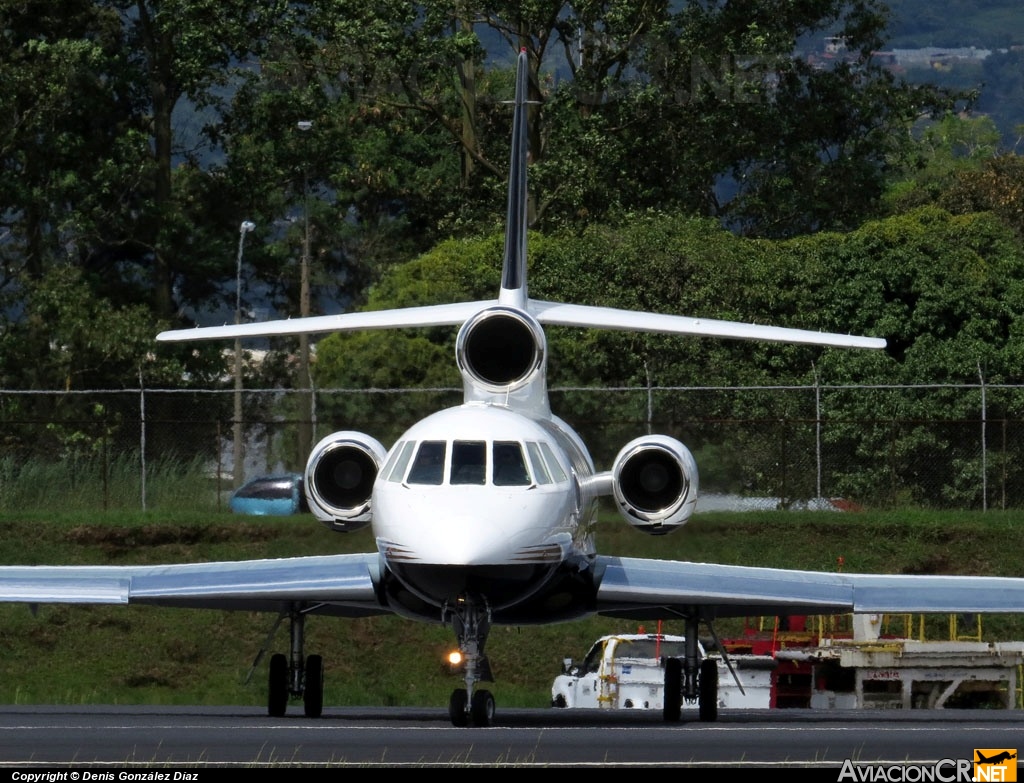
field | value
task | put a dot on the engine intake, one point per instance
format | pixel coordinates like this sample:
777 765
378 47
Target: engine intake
339 479
655 484
500 349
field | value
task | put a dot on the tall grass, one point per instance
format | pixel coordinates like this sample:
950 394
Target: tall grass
106 484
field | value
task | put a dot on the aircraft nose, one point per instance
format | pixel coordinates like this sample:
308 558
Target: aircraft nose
460 532
462 540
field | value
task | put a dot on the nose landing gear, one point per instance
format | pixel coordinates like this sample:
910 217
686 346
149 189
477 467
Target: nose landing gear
471 621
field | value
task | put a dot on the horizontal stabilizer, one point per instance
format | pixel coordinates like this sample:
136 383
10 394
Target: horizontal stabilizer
610 318
554 313
430 315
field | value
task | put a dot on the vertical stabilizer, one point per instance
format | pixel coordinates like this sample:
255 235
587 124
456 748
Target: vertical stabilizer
513 272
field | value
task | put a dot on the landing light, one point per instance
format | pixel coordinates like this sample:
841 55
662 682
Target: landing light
456 663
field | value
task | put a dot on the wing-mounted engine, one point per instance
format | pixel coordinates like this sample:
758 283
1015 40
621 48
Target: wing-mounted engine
501 353
655 483
339 479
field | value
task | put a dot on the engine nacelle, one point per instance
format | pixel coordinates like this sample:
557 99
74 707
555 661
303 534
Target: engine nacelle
339 479
655 484
500 353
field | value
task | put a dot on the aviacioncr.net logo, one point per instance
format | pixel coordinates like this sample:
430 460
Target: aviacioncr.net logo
942 771
988 764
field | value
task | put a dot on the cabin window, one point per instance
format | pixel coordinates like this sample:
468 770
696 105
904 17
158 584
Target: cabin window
469 462
428 467
509 465
540 470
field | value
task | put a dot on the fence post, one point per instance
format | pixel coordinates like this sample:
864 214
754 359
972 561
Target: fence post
817 428
650 398
142 437
984 452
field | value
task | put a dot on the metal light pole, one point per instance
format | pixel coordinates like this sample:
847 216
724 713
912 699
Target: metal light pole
305 429
239 448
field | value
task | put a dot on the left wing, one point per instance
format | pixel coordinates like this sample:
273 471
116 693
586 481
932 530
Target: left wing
640 588
343 585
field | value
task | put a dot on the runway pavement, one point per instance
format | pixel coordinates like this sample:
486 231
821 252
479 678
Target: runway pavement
113 738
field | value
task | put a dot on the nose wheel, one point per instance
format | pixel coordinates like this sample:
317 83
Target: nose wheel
476 711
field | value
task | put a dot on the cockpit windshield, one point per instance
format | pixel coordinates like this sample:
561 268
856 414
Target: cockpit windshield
502 463
428 467
469 462
509 465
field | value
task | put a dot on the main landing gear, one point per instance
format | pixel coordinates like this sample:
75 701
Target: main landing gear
295 676
691 679
471 621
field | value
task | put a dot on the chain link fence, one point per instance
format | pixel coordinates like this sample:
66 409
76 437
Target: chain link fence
929 446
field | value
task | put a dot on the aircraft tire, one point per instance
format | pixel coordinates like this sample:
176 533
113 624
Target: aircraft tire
313 692
457 708
673 698
482 708
277 686
707 698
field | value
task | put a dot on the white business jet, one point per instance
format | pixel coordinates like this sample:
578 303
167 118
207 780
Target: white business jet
484 513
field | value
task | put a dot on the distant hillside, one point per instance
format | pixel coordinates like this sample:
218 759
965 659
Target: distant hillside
957 23
995 28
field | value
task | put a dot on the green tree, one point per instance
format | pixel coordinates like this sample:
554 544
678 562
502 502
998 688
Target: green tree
945 291
68 339
996 187
65 151
718 111
93 174
948 148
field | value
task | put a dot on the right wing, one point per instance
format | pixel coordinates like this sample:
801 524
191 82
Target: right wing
342 585
640 588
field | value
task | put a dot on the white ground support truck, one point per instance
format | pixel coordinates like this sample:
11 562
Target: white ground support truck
863 670
635 671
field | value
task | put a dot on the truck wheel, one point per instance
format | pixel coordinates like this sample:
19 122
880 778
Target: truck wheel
673 697
707 685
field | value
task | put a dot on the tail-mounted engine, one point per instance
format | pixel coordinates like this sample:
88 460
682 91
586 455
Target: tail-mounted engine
500 352
655 484
339 479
